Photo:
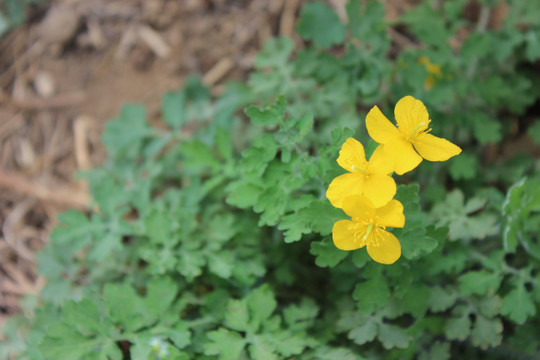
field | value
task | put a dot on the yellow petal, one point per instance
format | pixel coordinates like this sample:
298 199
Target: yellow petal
380 163
384 248
352 154
404 156
344 234
343 186
379 127
357 206
434 148
411 116
391 215
379 189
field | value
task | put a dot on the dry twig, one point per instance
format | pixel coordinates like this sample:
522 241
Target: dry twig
286 24
65 196
58 101
218 71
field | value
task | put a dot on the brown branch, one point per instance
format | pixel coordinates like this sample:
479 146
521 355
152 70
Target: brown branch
58 101
63 196
218 71
286 24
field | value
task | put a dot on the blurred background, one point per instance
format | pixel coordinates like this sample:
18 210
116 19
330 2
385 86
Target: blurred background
67 66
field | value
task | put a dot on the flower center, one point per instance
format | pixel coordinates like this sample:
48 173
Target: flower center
369 236
359 169
368 231
415 131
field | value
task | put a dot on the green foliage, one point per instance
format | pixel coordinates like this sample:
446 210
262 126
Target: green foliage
312 17
14 12
211 239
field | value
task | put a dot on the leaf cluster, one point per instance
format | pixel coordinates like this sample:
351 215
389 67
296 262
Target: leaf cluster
209 238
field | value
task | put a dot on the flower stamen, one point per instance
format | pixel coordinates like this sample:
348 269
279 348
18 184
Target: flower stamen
415 130
359 169
368 231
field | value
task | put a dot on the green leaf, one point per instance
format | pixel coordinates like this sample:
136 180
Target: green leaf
533 47
367 24
370 148
323 216
458 328
63 343
441 299
244 193
256 158
294 226
119 141
489 305
439 351
237 315
415 242
478 45
371 294
227 344
195 90
180 337
329 353
158 226
486 332
486 129
463 167
326 253
518 305
224 143
415 300
221 263
318 22
392 336
86 317
261 303
74 227
269 115
287 344
4 24
416 237
479 282
301 316
457 215
198 155
190 263
123 306
173 109
427 24
365 332
262 349
160 294
275 53
534 131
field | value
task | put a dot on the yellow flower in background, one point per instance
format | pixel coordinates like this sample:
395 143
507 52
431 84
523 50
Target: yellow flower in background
410 141
433 70
367 228
369 178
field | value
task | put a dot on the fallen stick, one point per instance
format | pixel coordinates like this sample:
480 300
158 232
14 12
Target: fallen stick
63 196
218 71
58 101
288 16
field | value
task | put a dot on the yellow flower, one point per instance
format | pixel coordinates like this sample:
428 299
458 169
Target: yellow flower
410 141
368 178
433 70
366 228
